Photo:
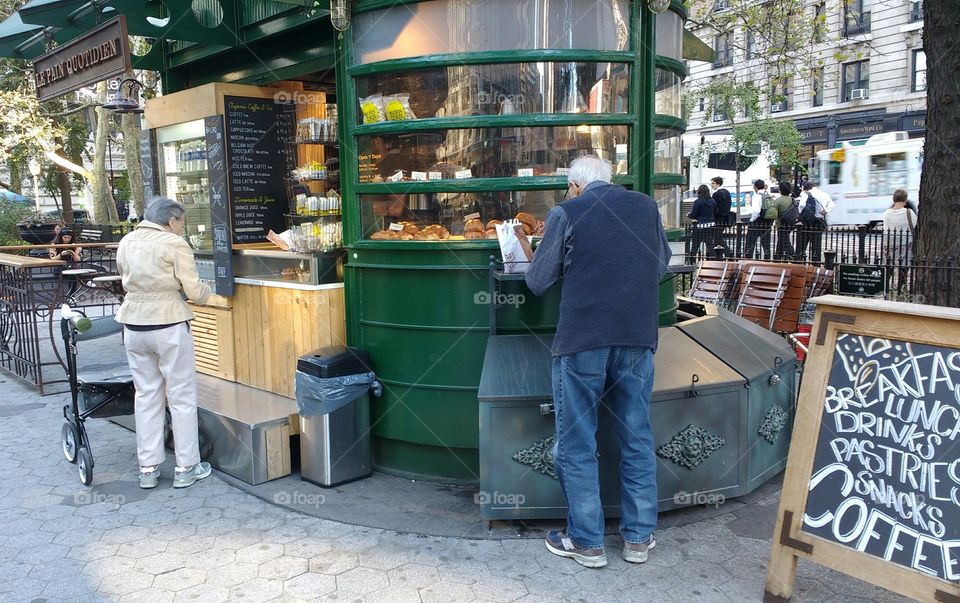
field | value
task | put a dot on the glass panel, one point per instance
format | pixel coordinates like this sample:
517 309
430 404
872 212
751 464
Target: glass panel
487 152
183 176
464 90
887 173
666 152
670 35
442 26
378 212
667 99
667 197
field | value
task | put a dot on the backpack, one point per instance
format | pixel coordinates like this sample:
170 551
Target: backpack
809 214
791 215
768 207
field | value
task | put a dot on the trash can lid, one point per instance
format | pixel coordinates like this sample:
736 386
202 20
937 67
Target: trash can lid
334 361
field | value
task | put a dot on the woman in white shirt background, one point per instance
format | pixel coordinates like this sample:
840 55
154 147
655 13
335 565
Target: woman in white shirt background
898 224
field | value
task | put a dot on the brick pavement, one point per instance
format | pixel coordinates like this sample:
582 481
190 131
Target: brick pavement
211 542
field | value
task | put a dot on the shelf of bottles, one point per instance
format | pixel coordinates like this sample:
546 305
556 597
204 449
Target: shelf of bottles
184 177
315 210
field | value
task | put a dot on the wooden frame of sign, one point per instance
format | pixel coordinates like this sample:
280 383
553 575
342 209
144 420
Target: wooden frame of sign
872 486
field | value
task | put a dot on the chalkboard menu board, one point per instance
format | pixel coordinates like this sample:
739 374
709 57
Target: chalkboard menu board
219 207
886 471
259 156
872 487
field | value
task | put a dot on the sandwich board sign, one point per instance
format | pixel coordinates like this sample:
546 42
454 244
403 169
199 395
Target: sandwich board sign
872 487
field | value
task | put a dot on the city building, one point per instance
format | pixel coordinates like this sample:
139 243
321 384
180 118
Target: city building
878 86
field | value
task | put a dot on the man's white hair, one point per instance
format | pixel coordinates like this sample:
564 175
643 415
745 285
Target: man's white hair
590 168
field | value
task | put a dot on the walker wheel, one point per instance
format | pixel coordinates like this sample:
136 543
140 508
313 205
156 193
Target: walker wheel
70 440
85 465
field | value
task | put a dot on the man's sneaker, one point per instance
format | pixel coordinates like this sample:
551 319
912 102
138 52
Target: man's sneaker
186 477
149 477
637 552
560 544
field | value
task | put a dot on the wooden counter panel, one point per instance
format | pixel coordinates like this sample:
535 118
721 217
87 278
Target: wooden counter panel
273 327
213 340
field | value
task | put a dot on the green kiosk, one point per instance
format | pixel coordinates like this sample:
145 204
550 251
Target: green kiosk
452 115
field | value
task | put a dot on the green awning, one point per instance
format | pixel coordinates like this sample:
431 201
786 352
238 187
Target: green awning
202 21
694 49
13 33
21 40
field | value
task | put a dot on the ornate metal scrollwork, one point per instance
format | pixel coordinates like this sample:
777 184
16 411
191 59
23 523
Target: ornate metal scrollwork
691 446
773 423
539 456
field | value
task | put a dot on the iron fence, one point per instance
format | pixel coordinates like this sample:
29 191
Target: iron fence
924 280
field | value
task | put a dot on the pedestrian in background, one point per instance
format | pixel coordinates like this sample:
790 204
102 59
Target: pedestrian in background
788 212
899 223
724 216
609 247
157 268
703 215
763 211
813 220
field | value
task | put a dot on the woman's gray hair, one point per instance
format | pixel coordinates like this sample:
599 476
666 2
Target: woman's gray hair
590 168
161 210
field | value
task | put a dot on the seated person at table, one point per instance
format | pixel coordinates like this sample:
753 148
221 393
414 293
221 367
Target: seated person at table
65 237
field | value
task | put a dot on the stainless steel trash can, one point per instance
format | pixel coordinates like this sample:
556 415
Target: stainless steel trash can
335 447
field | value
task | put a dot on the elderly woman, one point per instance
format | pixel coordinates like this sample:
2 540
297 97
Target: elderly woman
157 266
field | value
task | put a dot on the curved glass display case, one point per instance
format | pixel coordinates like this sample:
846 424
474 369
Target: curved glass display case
460 109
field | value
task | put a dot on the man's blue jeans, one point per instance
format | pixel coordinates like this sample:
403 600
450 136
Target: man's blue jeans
623 378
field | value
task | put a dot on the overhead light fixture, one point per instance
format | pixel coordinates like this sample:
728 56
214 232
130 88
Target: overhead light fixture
658 6
340 14
119 103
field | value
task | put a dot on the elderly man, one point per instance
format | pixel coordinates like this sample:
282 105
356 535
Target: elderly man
156 266
609 247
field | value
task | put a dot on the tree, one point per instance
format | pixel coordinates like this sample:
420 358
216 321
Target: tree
938 226
779 44
751 136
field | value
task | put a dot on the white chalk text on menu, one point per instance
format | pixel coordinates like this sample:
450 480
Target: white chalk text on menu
886 472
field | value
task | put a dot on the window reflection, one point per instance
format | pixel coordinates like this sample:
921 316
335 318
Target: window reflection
667 197
667 98
446 26
670 35
666 152
487 152
465 90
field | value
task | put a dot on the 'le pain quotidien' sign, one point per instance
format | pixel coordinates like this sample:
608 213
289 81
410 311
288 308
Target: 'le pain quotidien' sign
95 56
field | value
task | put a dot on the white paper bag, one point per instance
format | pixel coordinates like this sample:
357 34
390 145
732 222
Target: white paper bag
514 258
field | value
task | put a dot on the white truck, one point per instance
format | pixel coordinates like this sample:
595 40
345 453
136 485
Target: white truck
861 176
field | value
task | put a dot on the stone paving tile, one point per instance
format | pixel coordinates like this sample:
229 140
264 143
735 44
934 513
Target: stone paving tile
444 592
310 585
212 543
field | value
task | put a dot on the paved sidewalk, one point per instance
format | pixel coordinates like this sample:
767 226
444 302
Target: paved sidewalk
211 542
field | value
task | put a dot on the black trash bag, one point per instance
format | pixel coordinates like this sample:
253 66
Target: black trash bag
316 396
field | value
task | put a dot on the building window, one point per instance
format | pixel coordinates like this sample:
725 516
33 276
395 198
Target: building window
751 45
856 17
820 22
720 113
721 5
919 79
703 103
723 50
916 11
780 98
817 86
856 80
